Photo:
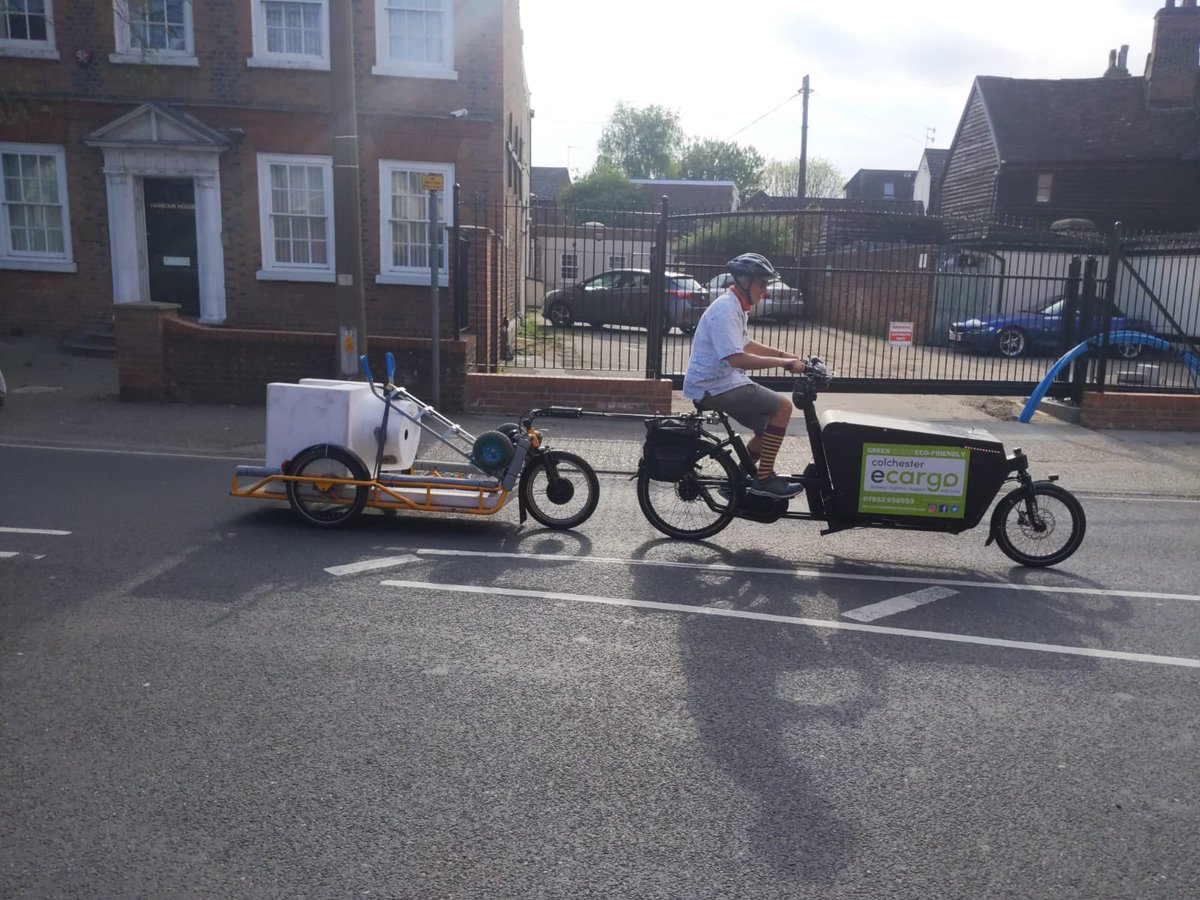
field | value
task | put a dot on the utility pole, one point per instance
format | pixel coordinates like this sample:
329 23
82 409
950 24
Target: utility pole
347 204
802 192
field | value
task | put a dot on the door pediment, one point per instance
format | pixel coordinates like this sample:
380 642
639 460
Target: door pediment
157 125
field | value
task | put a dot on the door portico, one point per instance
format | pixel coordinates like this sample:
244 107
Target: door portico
156 142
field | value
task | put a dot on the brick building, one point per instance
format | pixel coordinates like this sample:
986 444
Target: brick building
181 151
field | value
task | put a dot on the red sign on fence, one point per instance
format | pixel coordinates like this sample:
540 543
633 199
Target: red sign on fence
900 334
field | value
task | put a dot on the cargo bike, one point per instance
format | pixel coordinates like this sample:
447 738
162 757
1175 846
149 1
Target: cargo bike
867 472
337 448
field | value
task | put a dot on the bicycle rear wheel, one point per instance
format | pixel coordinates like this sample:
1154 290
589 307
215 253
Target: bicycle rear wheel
696 506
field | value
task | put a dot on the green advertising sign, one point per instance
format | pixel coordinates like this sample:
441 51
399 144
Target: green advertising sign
912 480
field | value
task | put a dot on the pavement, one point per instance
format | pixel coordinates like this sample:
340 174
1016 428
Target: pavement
58 399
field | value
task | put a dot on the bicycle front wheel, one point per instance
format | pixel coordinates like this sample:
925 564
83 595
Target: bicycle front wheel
562 499
1039 526
696 506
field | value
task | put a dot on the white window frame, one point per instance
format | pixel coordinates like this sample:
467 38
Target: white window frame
272 270
1045 187
128 53
616 262
30 49
23 259
389 272
386 65
265 59
568 271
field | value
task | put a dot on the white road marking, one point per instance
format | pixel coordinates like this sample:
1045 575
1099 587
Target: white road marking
816 573
1181 661
7 554
898 604
31 531
117 451
371 565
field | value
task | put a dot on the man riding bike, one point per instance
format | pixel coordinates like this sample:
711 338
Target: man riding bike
722 353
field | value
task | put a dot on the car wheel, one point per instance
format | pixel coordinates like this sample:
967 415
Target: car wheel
560 315
1128 351
1011 342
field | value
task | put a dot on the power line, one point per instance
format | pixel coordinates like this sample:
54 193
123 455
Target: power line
902 134
790 98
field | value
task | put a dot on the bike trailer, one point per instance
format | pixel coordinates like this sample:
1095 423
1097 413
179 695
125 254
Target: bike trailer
908 474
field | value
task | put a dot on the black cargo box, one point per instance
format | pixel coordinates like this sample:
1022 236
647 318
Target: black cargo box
898 472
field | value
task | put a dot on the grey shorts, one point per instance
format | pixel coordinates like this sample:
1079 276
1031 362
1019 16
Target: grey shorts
751 405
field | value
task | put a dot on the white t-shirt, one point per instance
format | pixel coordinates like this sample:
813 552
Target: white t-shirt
722 331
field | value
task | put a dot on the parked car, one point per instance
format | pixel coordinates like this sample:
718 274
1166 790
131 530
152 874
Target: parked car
622 297
782 303
1035 330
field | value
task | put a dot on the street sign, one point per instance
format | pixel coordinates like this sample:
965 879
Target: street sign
900 334
433 182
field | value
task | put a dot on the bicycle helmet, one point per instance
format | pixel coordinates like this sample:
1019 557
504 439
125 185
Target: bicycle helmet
751 265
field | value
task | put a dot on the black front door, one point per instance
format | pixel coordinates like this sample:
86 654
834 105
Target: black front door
171 242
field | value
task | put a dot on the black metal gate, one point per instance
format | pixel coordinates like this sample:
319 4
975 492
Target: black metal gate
895 302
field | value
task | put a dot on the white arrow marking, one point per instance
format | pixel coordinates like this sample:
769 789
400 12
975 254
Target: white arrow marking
370 565
31 531
1182 661
898 604
5 554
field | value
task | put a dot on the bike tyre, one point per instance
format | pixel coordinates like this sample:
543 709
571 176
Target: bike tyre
344 509
1008 527
535 480
647 488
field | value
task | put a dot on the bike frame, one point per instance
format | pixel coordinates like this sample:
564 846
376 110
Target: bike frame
819 480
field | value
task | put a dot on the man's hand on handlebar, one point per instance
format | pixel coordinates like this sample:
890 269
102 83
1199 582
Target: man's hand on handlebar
794 366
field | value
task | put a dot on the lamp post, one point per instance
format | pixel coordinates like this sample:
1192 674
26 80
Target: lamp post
347 203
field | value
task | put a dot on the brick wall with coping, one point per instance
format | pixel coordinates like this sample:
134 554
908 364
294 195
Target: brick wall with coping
163 357
514 394
1151 412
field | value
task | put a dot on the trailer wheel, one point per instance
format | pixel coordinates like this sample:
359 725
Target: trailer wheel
318 499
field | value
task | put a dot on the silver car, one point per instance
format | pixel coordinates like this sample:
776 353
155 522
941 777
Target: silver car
782 303
622 297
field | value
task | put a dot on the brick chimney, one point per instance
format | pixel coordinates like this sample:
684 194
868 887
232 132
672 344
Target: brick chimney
1174 64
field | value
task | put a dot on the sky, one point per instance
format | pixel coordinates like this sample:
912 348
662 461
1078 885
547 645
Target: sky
887 78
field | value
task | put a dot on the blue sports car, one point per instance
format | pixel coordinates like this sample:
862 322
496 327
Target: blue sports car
1035 331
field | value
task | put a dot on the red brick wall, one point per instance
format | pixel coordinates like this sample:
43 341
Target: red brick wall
262 110
1153 412
515 394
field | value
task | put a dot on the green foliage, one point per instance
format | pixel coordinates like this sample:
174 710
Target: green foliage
824 179
748 233
712 160
643 143
601 195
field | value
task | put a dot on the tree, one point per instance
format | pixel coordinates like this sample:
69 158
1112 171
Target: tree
712 160
743 233
643 143
781 178
602 192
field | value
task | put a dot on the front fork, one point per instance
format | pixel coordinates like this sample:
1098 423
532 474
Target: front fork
1018 463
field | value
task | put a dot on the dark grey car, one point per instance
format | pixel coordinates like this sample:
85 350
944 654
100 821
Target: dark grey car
622 297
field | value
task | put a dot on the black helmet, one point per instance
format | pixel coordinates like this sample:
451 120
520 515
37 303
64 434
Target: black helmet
753 265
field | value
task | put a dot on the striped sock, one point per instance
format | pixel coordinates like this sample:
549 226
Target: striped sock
768 445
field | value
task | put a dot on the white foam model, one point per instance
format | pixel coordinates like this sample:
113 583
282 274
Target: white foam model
347 413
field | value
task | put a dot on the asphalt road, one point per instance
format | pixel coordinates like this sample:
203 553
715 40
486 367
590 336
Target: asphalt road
202 697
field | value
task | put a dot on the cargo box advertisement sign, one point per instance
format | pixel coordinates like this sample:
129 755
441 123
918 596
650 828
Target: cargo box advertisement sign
911 480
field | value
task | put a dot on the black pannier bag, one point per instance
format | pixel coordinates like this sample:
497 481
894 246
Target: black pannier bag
670 449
